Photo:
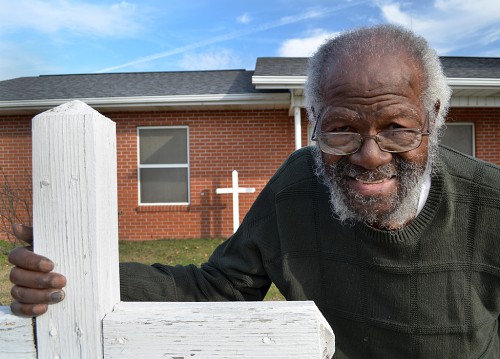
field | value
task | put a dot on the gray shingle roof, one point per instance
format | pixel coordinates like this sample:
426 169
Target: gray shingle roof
281 66
471 67
458 67
196 82
128 85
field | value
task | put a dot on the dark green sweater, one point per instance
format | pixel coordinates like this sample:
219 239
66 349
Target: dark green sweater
429 290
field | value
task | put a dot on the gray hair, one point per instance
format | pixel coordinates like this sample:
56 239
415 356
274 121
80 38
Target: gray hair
360 42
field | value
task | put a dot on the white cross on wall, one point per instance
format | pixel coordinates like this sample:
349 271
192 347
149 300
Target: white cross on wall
235 190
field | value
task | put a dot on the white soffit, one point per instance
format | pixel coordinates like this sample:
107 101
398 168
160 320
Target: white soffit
475 87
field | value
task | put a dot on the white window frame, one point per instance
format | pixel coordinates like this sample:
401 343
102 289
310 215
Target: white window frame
177 165
471 124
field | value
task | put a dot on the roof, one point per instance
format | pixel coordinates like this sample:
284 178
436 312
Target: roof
469 77
281 66
127 85
270 83
471 67
456 67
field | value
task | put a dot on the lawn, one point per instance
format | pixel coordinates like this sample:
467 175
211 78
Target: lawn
168 251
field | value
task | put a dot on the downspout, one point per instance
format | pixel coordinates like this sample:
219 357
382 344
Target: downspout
298 128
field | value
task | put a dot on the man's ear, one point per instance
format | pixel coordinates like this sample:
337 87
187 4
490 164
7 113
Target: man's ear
314 112
437 106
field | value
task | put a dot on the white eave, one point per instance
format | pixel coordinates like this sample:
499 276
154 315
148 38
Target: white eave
137 102
279 82
463 83
475 87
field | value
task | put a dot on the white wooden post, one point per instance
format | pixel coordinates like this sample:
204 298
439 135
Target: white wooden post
75 224
235 190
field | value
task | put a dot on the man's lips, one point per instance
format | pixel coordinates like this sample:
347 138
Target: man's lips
376 176
370 182
381 186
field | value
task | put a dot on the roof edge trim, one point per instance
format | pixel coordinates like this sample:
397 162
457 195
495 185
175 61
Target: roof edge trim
180 100
477 83
279 82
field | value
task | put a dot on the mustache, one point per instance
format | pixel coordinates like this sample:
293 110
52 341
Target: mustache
348 169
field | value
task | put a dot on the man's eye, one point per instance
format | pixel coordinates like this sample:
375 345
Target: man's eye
394 126
342 129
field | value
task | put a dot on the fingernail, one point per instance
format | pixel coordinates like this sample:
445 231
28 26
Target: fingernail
57 296
46 265
39 309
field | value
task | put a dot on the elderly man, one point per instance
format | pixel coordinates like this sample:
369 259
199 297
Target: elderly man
396 239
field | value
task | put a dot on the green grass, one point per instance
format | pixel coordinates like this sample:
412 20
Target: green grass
5 266
167 251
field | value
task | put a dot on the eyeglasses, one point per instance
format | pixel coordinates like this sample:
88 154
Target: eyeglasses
347 143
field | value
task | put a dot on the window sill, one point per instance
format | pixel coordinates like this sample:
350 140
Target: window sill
173 208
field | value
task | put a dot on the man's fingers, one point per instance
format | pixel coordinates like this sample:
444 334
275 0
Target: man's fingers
23 232
35 285
36 296
24 258
28 310
37 280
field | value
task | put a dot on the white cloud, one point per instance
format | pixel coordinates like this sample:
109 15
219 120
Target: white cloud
491 36
393 13
53 16
449 25
221 38
214 59
244 19
305 46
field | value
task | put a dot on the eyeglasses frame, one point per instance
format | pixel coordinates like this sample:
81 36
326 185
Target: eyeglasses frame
314 137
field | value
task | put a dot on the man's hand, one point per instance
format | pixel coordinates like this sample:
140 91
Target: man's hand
35 285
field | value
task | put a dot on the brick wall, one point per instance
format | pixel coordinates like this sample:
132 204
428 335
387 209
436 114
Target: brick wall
15 167
487 129
254 142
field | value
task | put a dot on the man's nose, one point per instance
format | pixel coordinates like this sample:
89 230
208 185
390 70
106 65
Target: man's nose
369 155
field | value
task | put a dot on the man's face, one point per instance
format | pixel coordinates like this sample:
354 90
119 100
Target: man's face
369 95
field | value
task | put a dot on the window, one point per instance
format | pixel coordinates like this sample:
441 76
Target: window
163 165
460 136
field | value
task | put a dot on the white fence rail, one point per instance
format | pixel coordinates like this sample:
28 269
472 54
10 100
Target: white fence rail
75 224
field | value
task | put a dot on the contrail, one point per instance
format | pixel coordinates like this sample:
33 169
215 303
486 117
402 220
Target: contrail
311 14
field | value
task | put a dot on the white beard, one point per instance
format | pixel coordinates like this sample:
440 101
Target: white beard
349 206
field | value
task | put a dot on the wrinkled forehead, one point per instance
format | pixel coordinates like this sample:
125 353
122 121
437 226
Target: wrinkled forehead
373 74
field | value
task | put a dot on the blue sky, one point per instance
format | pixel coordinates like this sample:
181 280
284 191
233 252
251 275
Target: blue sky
76 36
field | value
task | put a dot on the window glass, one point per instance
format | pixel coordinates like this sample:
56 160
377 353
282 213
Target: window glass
163 145
163 165
164 185
459 136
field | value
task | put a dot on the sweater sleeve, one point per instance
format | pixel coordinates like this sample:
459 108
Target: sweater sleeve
235 271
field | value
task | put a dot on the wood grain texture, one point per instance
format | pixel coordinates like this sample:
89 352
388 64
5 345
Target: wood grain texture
75 224
217 330
16 336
